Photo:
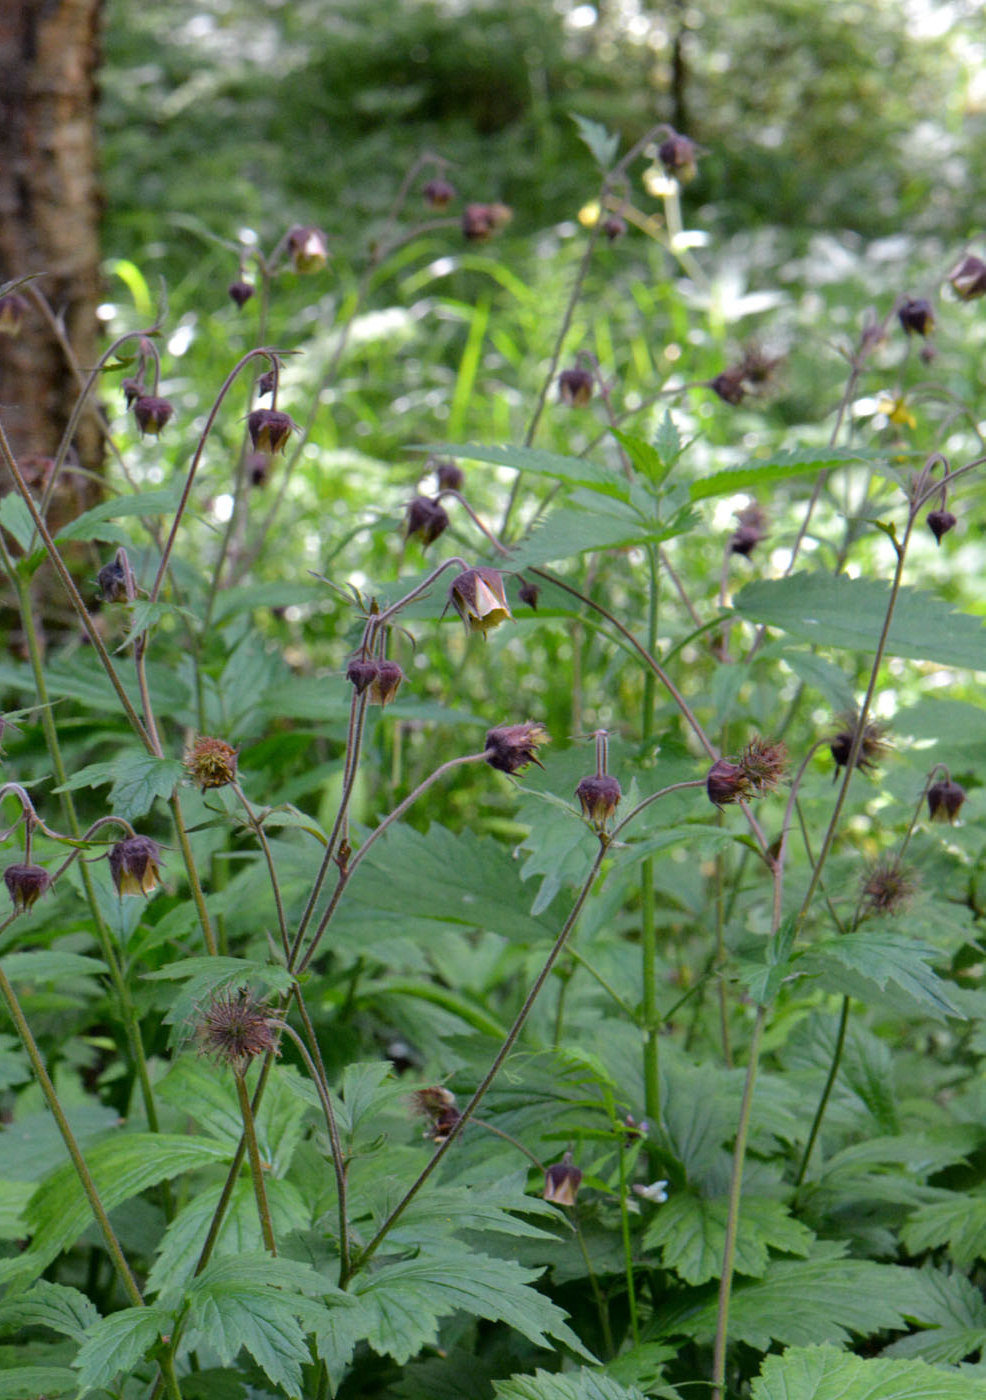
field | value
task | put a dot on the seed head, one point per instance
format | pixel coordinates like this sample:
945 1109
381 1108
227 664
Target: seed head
562 1181
240 292
968 278
887 887
873 744
599 796
480 221
450 476
677 154
439 193
112 580
26 884
529 593
309 248
940 522
512 747
764 765
152 414
427 519
211 763
134 865
385 684
944 800
480 599
268 429
916 316
437 1105
13 309
575 387
234 1029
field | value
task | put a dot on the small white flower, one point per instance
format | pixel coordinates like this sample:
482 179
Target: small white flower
657 1192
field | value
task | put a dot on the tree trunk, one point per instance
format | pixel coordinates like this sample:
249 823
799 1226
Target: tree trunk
49 215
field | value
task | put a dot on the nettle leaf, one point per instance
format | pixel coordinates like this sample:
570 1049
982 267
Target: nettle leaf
577 471
406 1301
116 1343
64 1310
602 144
838 611
959 1223
261 1304
690 1231
823 1373
572 529
800 462
121 1167
653 462
31 1382
575 1385
879 964
954 1319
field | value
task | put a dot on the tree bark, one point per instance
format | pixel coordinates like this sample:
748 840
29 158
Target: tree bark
49 215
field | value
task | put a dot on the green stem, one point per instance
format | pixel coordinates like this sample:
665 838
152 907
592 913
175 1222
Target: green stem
597 1293
840 1041
628 1250
256 1167
193 875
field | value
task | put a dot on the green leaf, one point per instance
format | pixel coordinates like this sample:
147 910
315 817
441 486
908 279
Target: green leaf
800 462
207 977
959 1222
602 144
32 1382
89 525
137 778
577 471
570 530
823 1373
64 1310
405 1301
838 611
16 519
879 964
48 965
116 1343
690 1231
575 1385
651 462
121 1167
953 1314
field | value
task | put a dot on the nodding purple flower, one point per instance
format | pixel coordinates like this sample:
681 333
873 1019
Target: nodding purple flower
152 414
599 796
439 192
479 597
678 154
26 884
575 387
240 292
916 316
309 248
940 522
13 309
427 519
362 673
450 476
529 593
512 747
614 227
968 278
269 430
134 865
562 1181
386 683
944 800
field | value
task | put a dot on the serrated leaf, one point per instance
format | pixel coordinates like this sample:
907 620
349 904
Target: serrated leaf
406 1301
569 530
602 144
651 462
881 964
147 503
207 977
800 462
121 1167
139 780
954 1316
838 611
690 1231
577 471
959 1223
116 1343
49 964
823 1373
53 1305
575 1385
32 1382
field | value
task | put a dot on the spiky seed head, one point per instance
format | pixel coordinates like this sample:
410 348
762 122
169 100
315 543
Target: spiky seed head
211 763
872 747
764 765
888 887
234 1028
511 747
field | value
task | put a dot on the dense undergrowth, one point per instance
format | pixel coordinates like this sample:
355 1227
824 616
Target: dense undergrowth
495 821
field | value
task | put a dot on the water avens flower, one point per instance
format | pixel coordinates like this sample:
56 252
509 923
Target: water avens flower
134 865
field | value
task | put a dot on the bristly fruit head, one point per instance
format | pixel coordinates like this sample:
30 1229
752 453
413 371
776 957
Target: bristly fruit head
968 278
269 430
944 800
427 519
480 599
437 1105
386 683
234 1029
599 796
112 580
240 292
872 747
916 316
26 884
940 522
764 765
575 387
134 865
152 414
309 248
439 193
13 309
211 763
888 887
562 1181
511 747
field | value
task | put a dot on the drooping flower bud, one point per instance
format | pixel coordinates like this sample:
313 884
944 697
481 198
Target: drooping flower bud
439 192
386 683
362 672
511 747
940 522
916 316
479 597
112 580
309 248
575 387
968 279
529 593
477 225
450 476
614 227
269 430
132 390
562 1181
437 1104
872 747
152 414
726 782
599 796
13 309
134 865
235 1028
267 383
211 763
240 292
426 518
26 884
944 800
677 154
258 468
750 530
729 385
